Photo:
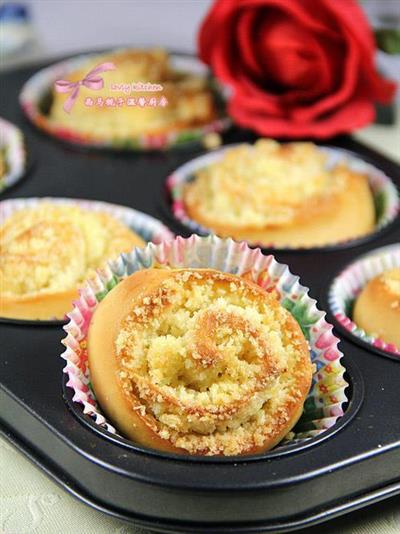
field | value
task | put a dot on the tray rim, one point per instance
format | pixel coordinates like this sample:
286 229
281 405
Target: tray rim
353 407
321 514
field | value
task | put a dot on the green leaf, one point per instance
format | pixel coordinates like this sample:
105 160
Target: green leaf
388 40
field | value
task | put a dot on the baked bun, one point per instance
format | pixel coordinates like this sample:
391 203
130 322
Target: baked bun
47 251
190 101
377 308
281 195
198 362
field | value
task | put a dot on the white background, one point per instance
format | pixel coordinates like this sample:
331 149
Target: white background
74 25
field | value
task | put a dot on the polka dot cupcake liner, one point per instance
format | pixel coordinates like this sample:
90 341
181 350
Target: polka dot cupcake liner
348 285
386 198
327 398
14 154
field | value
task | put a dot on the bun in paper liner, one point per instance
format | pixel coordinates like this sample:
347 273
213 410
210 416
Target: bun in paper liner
385 199
198 361
35 99
14 157
62 258
347 286
325 401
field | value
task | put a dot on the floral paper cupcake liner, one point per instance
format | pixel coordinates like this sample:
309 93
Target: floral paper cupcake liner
348 285
325 402
14 154
386 198
36 93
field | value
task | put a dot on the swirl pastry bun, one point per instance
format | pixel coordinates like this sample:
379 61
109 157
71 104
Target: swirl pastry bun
283 195
46 252
198 362
377 308
190 101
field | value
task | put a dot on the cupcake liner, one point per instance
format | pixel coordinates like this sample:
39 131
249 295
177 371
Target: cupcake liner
147 227
36 93
327 396
12 142
386 198
349 283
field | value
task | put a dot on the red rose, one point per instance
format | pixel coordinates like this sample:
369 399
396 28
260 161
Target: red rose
298 68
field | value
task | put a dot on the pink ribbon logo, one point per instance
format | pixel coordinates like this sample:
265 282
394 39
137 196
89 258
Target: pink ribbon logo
92 80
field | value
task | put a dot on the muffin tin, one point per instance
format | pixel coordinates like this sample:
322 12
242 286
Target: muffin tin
356 463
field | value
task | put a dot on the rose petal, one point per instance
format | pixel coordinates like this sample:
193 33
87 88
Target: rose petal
357 112
247 33
210 29
254 94
307 66
217 40
315 19
350 14
295 71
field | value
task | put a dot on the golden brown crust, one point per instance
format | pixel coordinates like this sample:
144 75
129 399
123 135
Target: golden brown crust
198 362
38 307
377 308
335 205
46 252
190 101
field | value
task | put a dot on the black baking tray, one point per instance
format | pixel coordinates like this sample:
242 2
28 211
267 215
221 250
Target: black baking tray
356 464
